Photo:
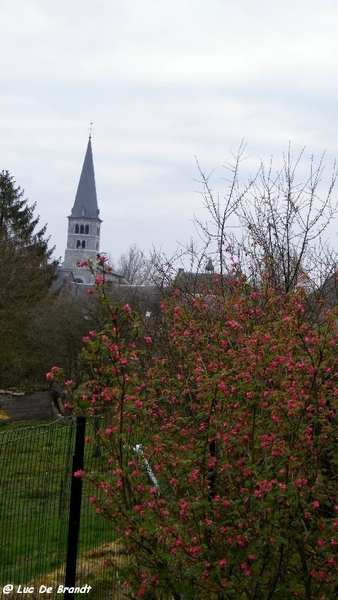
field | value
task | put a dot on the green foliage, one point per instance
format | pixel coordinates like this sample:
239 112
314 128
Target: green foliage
62 321
26 273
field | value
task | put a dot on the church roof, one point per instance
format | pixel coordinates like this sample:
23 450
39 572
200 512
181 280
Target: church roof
85 204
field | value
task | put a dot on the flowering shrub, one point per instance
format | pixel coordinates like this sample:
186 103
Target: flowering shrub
221 442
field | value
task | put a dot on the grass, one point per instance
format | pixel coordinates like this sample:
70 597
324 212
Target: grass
35 475
105 582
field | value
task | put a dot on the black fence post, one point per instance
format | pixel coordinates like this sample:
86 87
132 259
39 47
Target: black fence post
75 507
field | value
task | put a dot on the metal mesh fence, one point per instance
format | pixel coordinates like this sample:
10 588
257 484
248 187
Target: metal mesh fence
34 498
35 476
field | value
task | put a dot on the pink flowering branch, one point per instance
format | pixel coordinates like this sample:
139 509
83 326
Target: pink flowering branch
234 492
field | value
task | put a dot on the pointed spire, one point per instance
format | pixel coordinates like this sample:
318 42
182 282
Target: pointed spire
85 204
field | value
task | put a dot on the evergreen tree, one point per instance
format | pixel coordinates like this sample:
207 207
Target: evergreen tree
26 274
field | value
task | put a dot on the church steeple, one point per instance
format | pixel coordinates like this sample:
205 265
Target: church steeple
85 204
83 241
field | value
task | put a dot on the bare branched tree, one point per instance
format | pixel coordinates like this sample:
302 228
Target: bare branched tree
134 266
272 224
283 221
216 232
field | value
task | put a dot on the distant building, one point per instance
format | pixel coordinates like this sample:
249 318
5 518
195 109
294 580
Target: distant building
84 226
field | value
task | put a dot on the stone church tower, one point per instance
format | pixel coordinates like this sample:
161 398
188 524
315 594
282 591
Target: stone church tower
83 240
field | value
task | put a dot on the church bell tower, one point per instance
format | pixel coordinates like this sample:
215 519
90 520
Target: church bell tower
83 240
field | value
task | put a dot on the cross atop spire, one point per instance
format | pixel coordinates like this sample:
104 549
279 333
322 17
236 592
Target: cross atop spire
85 204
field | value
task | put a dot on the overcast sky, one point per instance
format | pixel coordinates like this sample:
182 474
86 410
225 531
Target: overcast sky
162 81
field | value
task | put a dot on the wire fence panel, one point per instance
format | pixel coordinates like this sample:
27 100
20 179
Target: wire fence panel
35 476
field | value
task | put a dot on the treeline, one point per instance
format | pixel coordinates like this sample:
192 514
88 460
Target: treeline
38 324
270 227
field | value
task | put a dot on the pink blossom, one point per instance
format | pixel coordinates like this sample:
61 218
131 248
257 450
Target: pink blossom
101 259
79 473
300 481
193 476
